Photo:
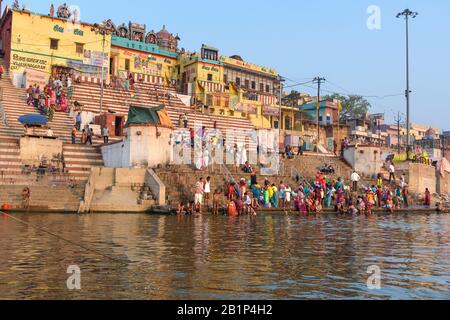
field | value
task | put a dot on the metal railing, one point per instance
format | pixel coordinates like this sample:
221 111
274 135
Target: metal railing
227 173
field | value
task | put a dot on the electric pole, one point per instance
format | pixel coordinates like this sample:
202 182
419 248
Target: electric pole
406 14
318 81
398 121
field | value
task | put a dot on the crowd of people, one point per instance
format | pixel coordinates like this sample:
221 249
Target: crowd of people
249 196
52 98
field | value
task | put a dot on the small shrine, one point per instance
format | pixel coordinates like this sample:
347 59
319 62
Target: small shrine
63 12
138 32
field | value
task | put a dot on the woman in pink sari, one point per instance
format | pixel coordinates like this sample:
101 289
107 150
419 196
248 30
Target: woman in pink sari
53 97
63 102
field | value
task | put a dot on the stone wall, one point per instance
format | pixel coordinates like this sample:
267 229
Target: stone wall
32 150
420 177
443 183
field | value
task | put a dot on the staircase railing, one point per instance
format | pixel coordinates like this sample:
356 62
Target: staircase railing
227 173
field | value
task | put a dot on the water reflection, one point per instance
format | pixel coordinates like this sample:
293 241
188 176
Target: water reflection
267 257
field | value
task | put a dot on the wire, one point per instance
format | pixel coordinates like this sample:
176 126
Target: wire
298 84
348 93
61 238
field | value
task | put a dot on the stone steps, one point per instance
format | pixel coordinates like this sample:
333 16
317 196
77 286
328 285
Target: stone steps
43 197
80 159
119 101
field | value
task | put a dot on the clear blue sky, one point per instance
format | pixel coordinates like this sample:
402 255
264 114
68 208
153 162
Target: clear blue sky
303 39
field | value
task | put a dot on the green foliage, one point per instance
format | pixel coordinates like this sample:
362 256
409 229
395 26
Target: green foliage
352 106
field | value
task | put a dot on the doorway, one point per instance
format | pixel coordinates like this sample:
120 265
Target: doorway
118 126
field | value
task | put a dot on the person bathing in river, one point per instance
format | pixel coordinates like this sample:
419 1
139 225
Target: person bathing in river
427 198
216 203
318 206
351 210
247 203
328 196
231 192
181 209
287 197
207 191
254 206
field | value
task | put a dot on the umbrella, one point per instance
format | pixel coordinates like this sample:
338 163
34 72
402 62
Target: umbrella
33 120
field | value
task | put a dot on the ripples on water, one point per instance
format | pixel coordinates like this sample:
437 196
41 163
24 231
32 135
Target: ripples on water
267 257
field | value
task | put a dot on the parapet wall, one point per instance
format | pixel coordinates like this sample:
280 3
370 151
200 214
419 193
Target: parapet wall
443 183
33 150
420 177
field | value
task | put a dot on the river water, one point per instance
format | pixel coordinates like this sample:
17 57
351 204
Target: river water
267 257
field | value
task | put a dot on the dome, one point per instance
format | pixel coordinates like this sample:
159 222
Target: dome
237 57
164 34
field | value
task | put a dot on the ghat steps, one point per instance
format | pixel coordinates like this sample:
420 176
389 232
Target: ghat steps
43 198
148 95
180 180
79 159
14 105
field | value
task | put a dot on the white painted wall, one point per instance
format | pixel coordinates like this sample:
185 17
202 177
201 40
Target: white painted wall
117 155
366 160
145 149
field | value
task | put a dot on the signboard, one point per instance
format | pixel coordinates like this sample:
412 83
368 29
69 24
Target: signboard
27 62
95 58
249 66
33 77
247 108
84 69
270 111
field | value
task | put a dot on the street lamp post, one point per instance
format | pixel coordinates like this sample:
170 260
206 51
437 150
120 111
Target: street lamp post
103 32
406 14
319 81
280 120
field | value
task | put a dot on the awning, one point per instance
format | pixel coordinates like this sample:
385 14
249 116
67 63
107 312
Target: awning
145 116
33 120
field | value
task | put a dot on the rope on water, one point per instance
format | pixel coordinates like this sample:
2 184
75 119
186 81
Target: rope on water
61 238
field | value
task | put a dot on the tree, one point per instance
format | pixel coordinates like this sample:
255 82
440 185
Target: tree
352 106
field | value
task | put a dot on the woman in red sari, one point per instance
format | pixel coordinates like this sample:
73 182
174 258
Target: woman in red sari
63 102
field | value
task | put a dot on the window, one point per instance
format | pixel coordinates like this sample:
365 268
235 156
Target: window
79 48
127 64
54 44
225 78
209 99
238 81
210 77
253 85
261 87
247 84
275 124
227 101
217 101
267 88
287 123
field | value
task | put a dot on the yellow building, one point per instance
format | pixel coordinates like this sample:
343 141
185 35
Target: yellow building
221 85
51 45
148 56
229 86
